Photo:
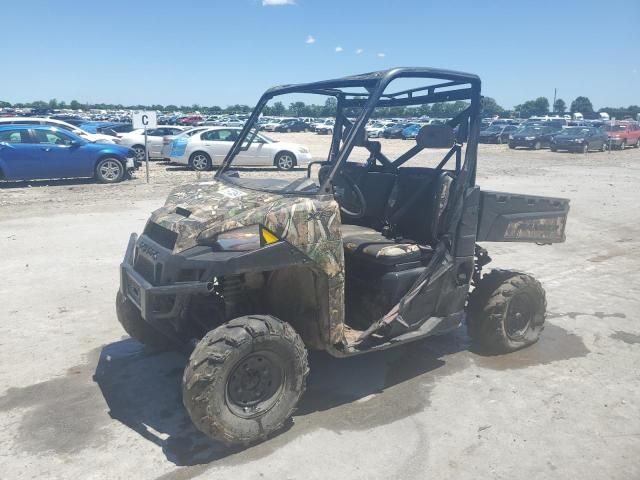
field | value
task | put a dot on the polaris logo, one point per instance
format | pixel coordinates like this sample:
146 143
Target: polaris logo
148 250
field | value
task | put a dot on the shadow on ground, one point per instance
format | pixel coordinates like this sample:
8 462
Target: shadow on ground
143 391
64 182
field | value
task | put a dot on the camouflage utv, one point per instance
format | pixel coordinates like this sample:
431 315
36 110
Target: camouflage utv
249 273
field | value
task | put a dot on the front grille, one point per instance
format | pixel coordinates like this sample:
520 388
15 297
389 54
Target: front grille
145 267
160 235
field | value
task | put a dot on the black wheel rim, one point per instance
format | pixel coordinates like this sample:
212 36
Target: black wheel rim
255 384
519 317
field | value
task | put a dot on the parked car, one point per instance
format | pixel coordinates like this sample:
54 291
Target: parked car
395 131
326 125
533 136
293 125
167 140
580 139
29 152
231 122
273 124
91 137
411 131
497 133
623 134
190 120
376 129
135 140
207 149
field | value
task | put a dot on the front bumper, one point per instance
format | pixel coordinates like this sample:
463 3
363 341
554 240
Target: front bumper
150 298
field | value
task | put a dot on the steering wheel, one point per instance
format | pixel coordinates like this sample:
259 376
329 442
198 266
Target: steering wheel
349 196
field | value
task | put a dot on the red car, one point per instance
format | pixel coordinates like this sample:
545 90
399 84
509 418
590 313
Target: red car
623 134
192 120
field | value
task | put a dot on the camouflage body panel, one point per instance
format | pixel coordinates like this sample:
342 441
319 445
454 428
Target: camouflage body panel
312 224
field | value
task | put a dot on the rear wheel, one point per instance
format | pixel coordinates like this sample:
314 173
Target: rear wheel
140 152
537 145
285 161
244 379
585 148
200 161
506 311
512 146
109 170
499 140
623 145
603 147
553 149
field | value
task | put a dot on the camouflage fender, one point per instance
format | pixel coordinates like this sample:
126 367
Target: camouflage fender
312 224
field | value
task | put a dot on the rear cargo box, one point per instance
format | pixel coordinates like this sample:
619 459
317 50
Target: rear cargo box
513 217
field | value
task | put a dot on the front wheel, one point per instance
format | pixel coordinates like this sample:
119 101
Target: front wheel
603 147
506 311
285 161
499 140
137 328
537 146
585 148
553 149
109 170
244 379
512 146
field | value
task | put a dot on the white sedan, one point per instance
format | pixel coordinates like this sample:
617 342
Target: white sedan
155 136
205 150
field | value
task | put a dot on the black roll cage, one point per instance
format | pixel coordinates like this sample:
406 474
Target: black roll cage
455 86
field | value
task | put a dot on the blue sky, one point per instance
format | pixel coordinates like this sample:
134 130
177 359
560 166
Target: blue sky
217 52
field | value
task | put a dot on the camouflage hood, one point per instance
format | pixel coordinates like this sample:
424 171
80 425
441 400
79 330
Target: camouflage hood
215 207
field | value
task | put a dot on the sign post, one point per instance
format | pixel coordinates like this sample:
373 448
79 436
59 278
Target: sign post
613 122
142 119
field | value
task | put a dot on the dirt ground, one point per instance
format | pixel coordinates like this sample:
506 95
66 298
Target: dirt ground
79 399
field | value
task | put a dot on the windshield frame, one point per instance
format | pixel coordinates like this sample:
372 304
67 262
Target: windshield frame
449 86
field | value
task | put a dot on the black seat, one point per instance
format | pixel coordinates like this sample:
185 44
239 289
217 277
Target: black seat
369 244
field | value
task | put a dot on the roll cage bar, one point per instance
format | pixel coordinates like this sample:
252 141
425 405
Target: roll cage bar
455 86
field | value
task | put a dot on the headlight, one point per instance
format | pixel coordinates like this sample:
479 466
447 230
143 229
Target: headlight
303 150
238 240
529 138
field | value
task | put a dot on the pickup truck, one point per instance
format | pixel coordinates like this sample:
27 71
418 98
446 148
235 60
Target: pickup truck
623 134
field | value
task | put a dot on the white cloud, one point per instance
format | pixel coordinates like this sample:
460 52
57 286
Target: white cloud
381 55
310 39
359 51
339 49
272 3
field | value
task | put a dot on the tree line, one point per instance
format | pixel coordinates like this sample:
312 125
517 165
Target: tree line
535 107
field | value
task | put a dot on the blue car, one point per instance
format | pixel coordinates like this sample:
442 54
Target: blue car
411 131
29 152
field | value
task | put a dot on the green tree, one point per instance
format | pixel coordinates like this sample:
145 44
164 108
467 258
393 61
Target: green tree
53 104
490 107
74 105
582 105
539 106
559 106
5 104
278 109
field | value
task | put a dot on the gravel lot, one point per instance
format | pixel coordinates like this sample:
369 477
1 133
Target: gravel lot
79 399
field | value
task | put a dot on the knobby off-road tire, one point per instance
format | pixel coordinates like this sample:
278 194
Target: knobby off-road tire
133 323
506 311
244 379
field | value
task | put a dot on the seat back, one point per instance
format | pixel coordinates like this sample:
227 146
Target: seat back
423 196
